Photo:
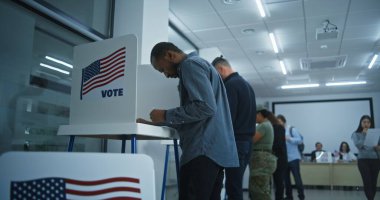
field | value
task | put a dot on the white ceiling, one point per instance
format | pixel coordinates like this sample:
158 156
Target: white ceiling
212 23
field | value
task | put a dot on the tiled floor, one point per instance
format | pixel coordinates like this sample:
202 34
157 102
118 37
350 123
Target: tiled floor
315 194
311 194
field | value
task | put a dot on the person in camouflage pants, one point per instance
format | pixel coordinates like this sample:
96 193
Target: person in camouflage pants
263 162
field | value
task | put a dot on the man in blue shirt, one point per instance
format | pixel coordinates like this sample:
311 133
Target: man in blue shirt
293 138
202 120
242 101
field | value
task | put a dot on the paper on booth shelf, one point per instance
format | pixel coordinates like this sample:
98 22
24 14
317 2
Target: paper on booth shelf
373 137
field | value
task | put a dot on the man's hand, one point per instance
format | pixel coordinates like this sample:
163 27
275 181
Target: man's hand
157 115
143 121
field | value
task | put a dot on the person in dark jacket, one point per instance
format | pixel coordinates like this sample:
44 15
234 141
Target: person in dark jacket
242 102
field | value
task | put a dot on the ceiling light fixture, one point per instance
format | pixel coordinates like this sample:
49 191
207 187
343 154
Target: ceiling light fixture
54 68
374 58
59 61
261 8
273 41
229 2
300 86
346 83
283 68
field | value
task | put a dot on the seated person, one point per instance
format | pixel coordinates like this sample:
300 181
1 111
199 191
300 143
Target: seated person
318 147
344 154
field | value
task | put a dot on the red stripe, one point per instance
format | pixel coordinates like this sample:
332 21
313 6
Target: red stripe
105 65
96 79
117 51
104 62
110 67
103 83
103 181
123 198
104 77
104 191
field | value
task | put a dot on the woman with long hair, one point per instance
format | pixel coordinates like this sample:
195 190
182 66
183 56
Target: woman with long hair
279 150
368 157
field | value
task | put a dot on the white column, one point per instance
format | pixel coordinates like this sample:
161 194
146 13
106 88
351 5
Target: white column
147 19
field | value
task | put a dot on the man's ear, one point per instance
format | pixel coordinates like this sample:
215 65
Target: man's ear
170 55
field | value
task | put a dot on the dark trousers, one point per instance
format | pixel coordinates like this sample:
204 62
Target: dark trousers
200 179
234 176
278 178
294 167
369 170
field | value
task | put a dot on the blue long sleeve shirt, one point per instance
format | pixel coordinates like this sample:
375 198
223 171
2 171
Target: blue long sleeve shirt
242 102
292 144
203 118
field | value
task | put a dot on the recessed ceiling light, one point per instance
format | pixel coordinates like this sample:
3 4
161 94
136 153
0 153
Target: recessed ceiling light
248 31
59 61
273 41
229 2
299 86
283 68
346 83
261 8
372 61
54 68
323 46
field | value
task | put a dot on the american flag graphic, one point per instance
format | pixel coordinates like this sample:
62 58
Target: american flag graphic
103 71
117 188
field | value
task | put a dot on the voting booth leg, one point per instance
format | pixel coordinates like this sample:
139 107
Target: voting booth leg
133 144
165 173
175 141
123 146
71 143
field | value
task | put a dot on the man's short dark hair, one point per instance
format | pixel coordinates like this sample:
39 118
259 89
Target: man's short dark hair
220 60
161 48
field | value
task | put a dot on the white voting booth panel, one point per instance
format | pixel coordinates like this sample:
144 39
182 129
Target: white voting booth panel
51 175
104 96
104 92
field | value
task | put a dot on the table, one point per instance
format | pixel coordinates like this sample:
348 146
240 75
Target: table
125 131
331 174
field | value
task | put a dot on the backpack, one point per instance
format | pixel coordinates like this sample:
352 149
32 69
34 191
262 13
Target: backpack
301 146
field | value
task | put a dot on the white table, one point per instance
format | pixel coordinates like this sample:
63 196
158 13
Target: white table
125 131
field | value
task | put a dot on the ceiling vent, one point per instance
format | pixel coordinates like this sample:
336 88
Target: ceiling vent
320 63
328 31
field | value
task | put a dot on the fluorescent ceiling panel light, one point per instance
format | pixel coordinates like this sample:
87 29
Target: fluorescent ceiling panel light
372 61
273 41
54 68
346 83
261 8
299 86
59 61
283 67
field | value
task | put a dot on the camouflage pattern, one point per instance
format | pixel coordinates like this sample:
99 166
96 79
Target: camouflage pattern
262 166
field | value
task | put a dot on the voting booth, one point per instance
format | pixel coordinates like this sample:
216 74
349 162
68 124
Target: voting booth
104 93
104 96
62 175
